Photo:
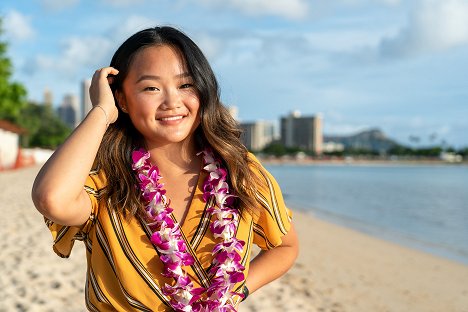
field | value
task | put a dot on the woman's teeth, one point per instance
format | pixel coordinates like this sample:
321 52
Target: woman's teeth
171 118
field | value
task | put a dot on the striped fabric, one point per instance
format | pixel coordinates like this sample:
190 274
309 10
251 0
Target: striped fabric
123 267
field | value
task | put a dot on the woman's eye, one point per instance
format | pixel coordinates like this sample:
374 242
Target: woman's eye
186 85
151 89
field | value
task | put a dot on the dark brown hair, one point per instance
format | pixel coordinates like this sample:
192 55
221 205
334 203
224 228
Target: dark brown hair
217 128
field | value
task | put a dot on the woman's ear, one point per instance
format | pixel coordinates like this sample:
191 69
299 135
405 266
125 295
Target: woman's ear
121 101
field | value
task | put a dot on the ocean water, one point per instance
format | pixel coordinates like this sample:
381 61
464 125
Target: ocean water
421 206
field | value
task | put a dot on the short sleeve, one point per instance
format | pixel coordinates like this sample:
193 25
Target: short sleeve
274 220
65 236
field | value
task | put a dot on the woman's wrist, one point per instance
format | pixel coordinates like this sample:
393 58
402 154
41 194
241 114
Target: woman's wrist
105 113
245 292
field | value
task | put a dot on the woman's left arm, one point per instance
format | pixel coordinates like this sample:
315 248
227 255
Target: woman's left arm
268 265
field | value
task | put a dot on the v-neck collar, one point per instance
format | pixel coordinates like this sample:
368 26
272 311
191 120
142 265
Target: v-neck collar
195 219
192 218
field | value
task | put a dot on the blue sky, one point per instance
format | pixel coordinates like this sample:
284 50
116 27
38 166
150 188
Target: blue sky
401 66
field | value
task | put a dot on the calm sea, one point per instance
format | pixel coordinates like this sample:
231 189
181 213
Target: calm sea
423 207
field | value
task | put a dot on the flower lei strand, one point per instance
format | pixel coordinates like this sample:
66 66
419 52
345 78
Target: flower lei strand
226 270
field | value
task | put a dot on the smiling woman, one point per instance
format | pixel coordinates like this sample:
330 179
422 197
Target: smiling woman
172 201
159 96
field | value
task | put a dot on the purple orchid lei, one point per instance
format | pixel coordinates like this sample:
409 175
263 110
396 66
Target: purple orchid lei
226 270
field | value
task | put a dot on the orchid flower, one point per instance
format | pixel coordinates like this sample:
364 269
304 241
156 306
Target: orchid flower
174 254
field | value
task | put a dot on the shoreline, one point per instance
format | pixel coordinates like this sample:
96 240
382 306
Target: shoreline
338 269
391 236
358 162
341 269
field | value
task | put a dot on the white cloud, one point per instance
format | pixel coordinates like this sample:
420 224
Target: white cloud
435 25
230 47
130 26
346 40
258 49
77 53
122 2
391 2
85 51
89 52
212 46
269 49
57 5
367 2
18 26
290 9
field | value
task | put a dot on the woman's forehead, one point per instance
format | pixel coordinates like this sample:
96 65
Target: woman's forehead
158 58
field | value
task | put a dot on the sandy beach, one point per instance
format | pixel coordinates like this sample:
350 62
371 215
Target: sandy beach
338 269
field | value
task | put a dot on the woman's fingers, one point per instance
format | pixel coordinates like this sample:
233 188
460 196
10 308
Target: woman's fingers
100 83
105 72
101 93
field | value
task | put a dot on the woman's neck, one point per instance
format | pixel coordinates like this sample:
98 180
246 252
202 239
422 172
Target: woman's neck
176 158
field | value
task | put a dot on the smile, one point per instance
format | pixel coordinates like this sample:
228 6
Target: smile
171 118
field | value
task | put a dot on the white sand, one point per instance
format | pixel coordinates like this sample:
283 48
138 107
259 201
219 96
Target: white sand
338 269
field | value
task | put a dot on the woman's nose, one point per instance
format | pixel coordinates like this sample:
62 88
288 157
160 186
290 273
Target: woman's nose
172 99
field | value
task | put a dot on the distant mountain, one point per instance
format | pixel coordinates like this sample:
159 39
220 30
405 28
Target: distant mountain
373 139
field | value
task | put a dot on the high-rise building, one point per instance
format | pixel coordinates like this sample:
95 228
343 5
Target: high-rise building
48 98
302 132
256 135
69 110
86 104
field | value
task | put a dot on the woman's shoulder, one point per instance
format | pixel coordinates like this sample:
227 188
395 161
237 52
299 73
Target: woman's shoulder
252 157
270 184
256 165
254 162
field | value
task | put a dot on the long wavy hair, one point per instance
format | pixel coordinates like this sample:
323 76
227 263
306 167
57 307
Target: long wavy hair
217 128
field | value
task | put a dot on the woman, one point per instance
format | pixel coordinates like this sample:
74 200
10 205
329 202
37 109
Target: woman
172 201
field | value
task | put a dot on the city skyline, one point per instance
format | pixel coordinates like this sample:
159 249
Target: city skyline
396 65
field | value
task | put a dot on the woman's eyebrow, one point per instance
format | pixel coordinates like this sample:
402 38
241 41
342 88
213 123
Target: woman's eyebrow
183 75
156 77
148 77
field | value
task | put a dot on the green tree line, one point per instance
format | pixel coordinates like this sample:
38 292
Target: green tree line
43 127
278 149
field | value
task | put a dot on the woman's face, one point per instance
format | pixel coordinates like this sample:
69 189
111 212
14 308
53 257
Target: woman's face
159 96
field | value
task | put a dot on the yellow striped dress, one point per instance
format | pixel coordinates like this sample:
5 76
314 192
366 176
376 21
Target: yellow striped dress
124 270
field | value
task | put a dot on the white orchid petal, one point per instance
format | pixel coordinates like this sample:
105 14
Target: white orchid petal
225 218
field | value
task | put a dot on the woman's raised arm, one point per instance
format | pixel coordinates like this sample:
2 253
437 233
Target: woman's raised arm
58 191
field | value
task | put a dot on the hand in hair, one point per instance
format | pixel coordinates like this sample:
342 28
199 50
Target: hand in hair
101 94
